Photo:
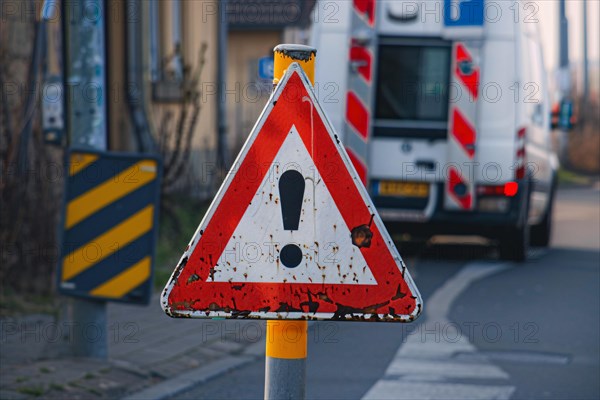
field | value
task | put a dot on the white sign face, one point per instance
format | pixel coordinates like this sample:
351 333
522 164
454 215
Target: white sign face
323 237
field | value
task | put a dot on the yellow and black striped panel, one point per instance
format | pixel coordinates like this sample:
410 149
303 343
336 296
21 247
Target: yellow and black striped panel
109 226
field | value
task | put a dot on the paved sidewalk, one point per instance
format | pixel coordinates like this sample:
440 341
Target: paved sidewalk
150 355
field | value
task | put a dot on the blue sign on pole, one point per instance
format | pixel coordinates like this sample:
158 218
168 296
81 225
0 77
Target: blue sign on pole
566 113
463 13
265 68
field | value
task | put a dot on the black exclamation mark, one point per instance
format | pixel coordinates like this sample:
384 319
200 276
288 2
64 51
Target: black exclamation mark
291 192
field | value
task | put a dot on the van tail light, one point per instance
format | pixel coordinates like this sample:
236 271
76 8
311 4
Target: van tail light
509 189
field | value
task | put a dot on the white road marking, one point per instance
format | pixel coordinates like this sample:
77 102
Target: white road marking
400 390
442 299
426 364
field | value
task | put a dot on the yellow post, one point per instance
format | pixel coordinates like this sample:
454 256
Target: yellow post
286 347
287 339
286 54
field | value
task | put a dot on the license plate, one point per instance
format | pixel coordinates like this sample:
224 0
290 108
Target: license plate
403 189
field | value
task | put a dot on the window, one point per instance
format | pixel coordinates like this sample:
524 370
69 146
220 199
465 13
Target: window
535 86
412 88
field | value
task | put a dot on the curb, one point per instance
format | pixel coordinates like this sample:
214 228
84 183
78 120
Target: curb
186 381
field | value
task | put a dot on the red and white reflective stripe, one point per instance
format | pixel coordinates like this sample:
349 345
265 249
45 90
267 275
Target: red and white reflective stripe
457 189
362 56
358 97
469 79
520 160
462 132
366 9
357 115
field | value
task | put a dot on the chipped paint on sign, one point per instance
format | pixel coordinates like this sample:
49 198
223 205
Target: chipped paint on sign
292 232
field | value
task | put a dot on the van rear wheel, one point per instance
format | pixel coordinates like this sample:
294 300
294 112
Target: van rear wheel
513 246
541 233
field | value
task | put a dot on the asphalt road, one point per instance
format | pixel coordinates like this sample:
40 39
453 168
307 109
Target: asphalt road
491 329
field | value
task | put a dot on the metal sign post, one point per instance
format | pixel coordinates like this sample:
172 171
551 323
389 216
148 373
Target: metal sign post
285 363
286 341
84 76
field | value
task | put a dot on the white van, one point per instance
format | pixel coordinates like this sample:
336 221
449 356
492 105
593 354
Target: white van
443 109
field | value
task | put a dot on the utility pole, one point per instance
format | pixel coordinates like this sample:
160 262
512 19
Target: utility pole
564 78
222 152
86 122
586 77
563 62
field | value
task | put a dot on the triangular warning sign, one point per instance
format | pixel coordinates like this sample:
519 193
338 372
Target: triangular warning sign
292 232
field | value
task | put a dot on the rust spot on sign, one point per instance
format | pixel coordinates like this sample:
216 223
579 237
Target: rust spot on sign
344 312
399 293
285 307
362 234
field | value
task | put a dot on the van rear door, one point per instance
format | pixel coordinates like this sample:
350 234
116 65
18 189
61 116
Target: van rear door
410 120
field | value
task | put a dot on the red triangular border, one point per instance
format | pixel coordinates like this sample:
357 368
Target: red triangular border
189 294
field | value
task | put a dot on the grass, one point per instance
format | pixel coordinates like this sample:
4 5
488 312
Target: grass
174 235
57 386
32 390
94 391
162 275
566 177
13 303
